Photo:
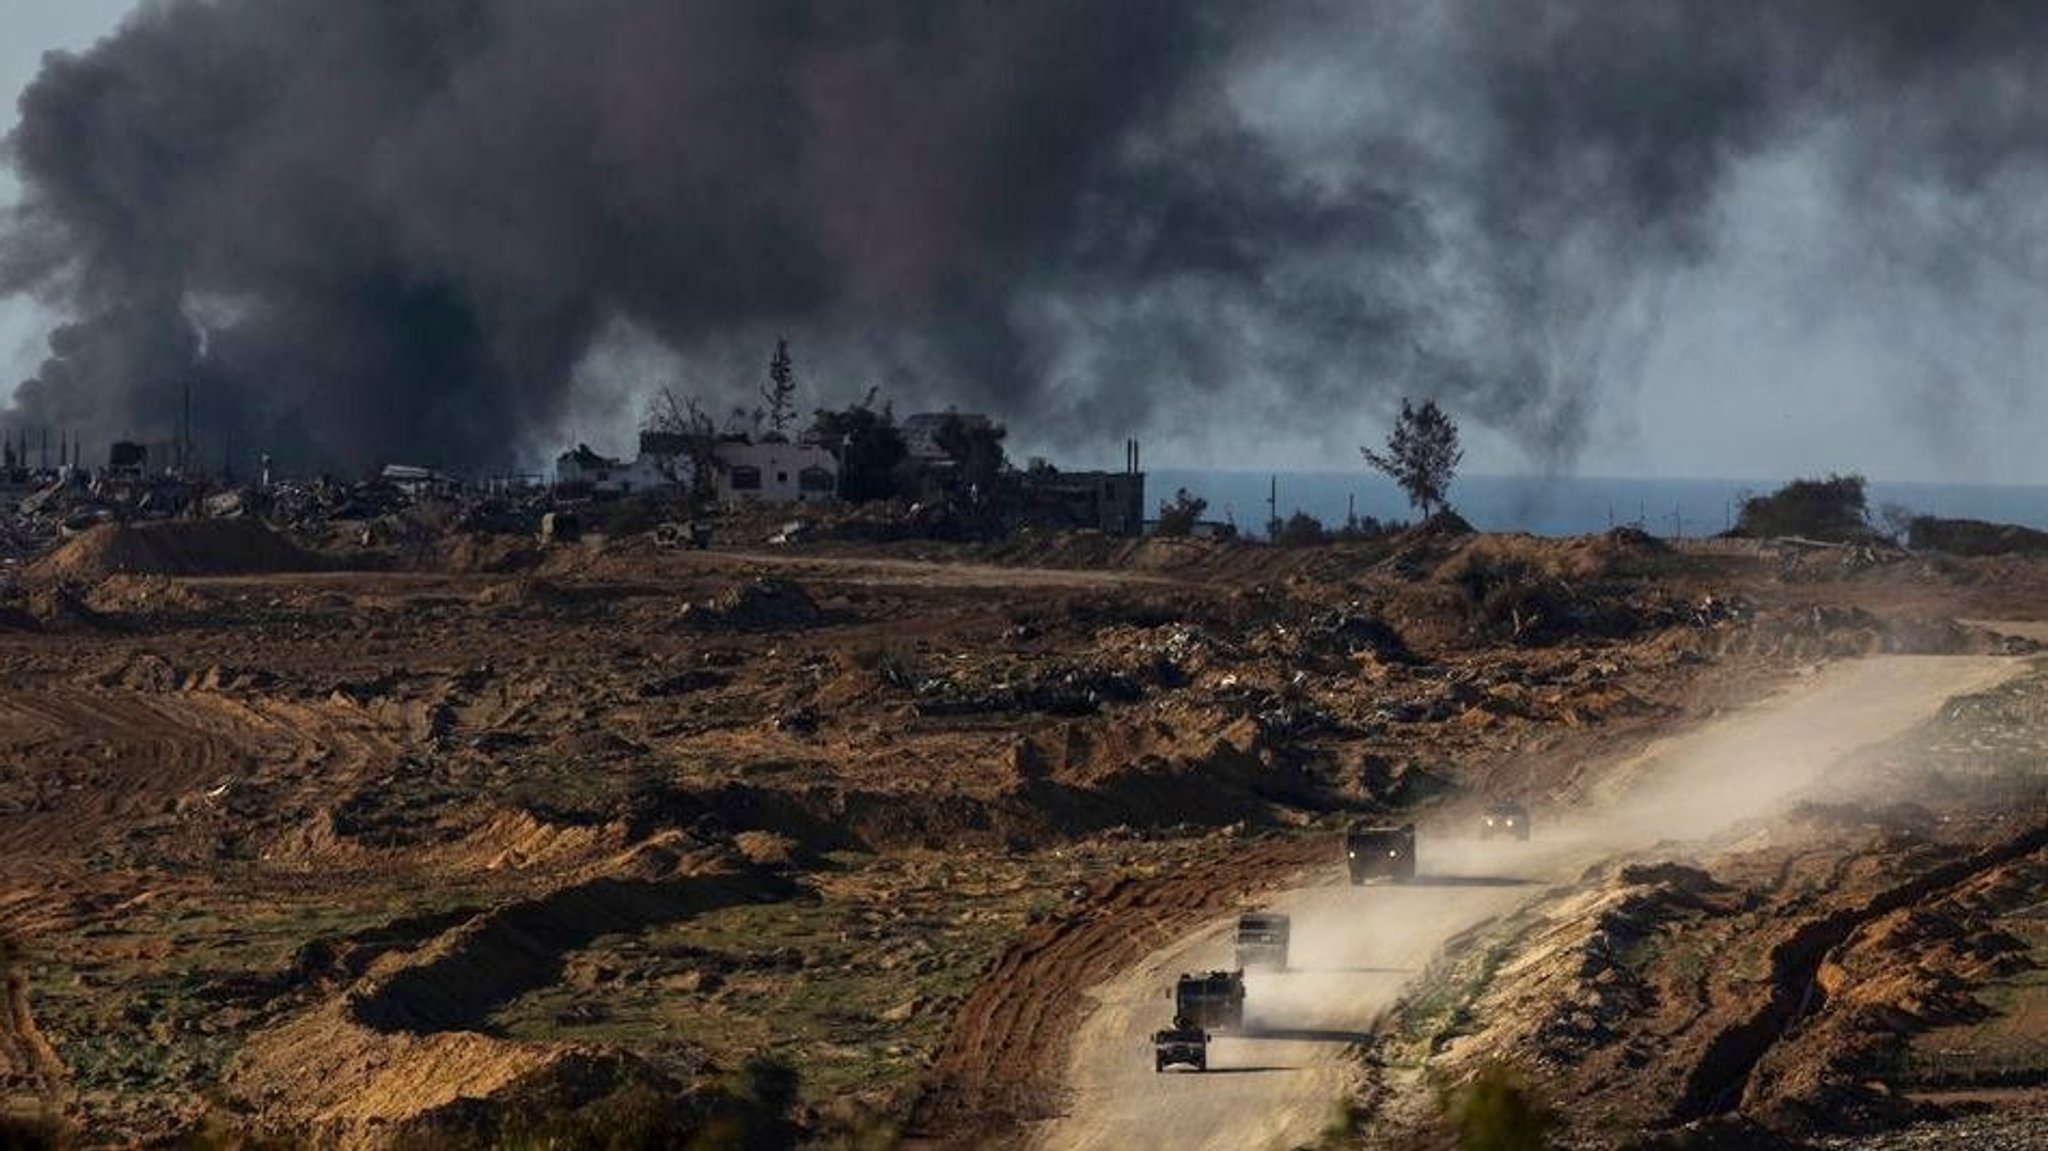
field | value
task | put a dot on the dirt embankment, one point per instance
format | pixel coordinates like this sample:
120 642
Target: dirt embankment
364 823
1673 996
408 1044
176 548
1867 961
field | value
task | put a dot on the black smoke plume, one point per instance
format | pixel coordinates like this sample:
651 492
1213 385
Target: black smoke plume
386 229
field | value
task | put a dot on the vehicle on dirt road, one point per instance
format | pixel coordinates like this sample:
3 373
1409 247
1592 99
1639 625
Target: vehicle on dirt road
1380 851
1213 999
1504 819
1182 1045
1262 940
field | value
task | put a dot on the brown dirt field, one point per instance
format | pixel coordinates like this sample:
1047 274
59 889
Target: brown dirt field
879 814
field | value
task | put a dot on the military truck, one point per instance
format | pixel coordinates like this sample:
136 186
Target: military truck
1262 940
1213 999
1504 819
1380 851
1181 1045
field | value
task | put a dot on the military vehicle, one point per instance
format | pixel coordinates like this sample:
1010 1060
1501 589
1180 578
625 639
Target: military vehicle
1182 1045
1380 851
1212 999
1504 819
1262 940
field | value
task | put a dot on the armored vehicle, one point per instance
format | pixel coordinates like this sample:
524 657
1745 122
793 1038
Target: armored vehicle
1504 819
1182 1045
1210 999
1380 851
1262 940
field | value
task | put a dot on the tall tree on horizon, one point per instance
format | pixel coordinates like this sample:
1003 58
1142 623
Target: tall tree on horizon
1422 455
781 390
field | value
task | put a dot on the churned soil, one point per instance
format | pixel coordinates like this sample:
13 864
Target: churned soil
364 855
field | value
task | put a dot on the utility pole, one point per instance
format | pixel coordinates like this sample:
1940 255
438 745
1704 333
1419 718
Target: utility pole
1273 506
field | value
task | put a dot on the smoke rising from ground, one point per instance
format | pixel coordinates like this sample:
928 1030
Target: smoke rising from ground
387 230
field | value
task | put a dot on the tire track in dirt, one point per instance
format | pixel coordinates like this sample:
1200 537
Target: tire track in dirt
999 1064
97 763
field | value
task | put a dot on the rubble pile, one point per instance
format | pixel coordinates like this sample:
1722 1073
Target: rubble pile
1067 690
41 511
760 605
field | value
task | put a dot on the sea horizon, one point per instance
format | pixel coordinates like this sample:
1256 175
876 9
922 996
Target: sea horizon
1562 505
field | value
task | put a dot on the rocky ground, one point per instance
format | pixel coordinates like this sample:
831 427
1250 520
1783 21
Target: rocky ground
830 837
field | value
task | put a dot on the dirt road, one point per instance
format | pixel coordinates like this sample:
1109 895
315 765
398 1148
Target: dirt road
1278 1083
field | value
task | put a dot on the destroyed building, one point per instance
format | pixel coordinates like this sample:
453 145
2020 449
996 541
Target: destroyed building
744 470
775 472
418 482
1109 502
584 471
921 434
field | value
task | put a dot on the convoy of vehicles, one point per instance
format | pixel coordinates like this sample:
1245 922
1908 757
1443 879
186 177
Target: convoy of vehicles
1262 940
1214 1000
1380 851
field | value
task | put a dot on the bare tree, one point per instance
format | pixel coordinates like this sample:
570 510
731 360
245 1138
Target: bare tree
683 416
1422 455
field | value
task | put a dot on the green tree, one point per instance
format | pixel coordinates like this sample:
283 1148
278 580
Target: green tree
781 390
1422 455
868 444
1829 509
1178 516
976 448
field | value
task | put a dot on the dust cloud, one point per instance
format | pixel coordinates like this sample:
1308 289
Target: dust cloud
1355 949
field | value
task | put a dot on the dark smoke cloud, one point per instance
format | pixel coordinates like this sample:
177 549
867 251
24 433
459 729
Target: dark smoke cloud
393 230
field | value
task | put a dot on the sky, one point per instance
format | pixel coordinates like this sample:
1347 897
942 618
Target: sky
29 28
1793 246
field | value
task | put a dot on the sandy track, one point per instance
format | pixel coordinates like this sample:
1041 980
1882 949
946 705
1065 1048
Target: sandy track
1356 948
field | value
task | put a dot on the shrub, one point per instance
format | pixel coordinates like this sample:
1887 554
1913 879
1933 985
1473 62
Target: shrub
1829 509
1359 528
1497 1111
1301 530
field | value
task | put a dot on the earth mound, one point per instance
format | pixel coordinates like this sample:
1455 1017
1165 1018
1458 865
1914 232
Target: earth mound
762 605
1960 537
177 548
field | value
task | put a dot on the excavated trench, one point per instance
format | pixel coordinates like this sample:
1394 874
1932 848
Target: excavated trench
1719 1079
494 958
1030 812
